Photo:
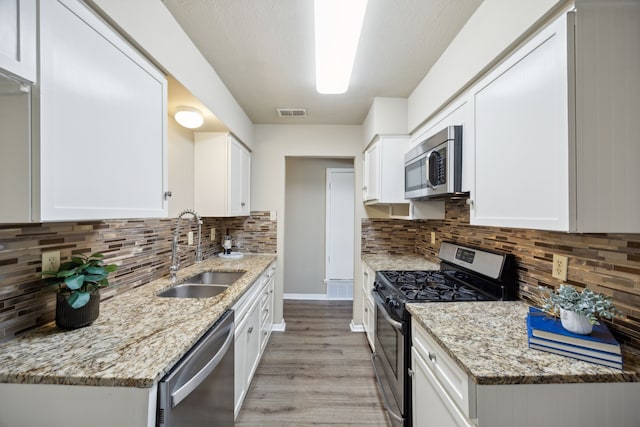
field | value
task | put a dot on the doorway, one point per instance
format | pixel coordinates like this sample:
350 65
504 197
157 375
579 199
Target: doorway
305 228
339 233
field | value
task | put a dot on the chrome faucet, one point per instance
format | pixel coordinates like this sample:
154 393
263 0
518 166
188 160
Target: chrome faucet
175 259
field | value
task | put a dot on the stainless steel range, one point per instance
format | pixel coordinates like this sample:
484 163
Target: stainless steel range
466 274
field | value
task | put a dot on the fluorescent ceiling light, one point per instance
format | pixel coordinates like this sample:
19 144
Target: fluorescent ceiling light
337 30
189 117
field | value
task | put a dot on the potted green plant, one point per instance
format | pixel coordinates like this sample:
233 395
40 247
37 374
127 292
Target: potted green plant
578 311
77 282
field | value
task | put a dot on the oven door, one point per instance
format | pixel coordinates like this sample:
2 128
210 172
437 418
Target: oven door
389 364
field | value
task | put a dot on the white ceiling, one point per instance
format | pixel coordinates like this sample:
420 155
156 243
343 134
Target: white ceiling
263 51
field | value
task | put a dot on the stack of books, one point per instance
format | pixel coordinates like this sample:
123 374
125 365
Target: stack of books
547 334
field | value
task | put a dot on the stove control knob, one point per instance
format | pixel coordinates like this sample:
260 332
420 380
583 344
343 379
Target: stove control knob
394 303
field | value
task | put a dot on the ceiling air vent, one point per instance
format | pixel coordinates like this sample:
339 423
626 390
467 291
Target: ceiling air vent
292 112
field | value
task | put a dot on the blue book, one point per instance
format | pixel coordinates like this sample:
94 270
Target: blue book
611 357
541 325
608 363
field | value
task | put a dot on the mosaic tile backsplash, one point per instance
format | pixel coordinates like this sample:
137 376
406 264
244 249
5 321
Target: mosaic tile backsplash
141 247
606 263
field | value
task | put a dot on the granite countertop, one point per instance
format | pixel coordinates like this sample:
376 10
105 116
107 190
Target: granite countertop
379 262
488 340
136 339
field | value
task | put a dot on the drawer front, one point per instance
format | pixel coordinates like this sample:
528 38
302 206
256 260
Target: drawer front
453 379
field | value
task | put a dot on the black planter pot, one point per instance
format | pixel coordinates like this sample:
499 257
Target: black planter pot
68 317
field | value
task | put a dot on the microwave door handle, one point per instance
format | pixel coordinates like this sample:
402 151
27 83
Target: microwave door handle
429 183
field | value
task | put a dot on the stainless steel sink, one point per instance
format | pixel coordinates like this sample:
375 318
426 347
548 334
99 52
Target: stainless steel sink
215 277
191 290
203 285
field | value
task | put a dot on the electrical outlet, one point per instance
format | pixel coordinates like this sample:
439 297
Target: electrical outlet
213 234
190 238
560 267
433 237
51 261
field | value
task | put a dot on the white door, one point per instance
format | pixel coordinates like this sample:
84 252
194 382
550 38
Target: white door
340 219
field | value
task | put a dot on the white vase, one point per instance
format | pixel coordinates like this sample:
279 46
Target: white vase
574 322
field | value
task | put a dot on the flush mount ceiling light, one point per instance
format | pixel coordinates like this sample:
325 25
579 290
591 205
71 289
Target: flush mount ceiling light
337 31
189 117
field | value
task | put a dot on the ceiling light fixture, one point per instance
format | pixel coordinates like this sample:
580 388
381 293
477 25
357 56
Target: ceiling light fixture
337 31
189 117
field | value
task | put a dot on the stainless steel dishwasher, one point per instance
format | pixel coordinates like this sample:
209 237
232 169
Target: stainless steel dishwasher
198 391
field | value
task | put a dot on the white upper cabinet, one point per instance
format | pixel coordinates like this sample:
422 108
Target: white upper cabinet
384 170
222 175
18 39
96 148
556 140
102 121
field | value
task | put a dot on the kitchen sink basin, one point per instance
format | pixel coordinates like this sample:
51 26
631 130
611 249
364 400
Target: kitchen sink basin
193 290
215 277
203 285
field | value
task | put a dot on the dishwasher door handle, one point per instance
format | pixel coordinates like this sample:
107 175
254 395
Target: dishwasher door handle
179 395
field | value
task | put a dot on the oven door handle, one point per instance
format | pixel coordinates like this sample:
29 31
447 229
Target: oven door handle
382 310
390 411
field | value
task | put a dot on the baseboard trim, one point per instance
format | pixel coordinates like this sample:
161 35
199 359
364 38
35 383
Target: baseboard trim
317 297
279 327
356 328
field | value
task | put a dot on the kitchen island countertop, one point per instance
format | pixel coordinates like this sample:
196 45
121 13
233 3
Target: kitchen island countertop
488 340
136 339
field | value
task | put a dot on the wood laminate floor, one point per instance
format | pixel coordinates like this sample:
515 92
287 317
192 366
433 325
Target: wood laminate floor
316 373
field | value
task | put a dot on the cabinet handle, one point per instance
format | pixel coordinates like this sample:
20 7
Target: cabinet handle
251 330
242 204
432 357
167 194
366 309
364 188
411 372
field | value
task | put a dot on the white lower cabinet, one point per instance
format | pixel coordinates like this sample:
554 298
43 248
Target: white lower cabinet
253 319
444 395
368 305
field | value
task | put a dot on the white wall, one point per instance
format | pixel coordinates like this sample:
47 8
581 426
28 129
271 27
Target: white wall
273 144
386 116
155 31
495 27
181 147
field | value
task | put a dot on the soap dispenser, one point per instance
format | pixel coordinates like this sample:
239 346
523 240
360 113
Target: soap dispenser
226 243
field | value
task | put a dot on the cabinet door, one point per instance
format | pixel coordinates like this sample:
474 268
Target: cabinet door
266 320
253 342
239 178
372 172
239 369
522 169
18 39
102 121
432 406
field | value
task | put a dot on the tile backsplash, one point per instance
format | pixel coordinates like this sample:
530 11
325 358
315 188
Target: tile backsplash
606 263
141 247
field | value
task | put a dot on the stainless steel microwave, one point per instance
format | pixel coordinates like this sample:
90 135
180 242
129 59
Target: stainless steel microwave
433 168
